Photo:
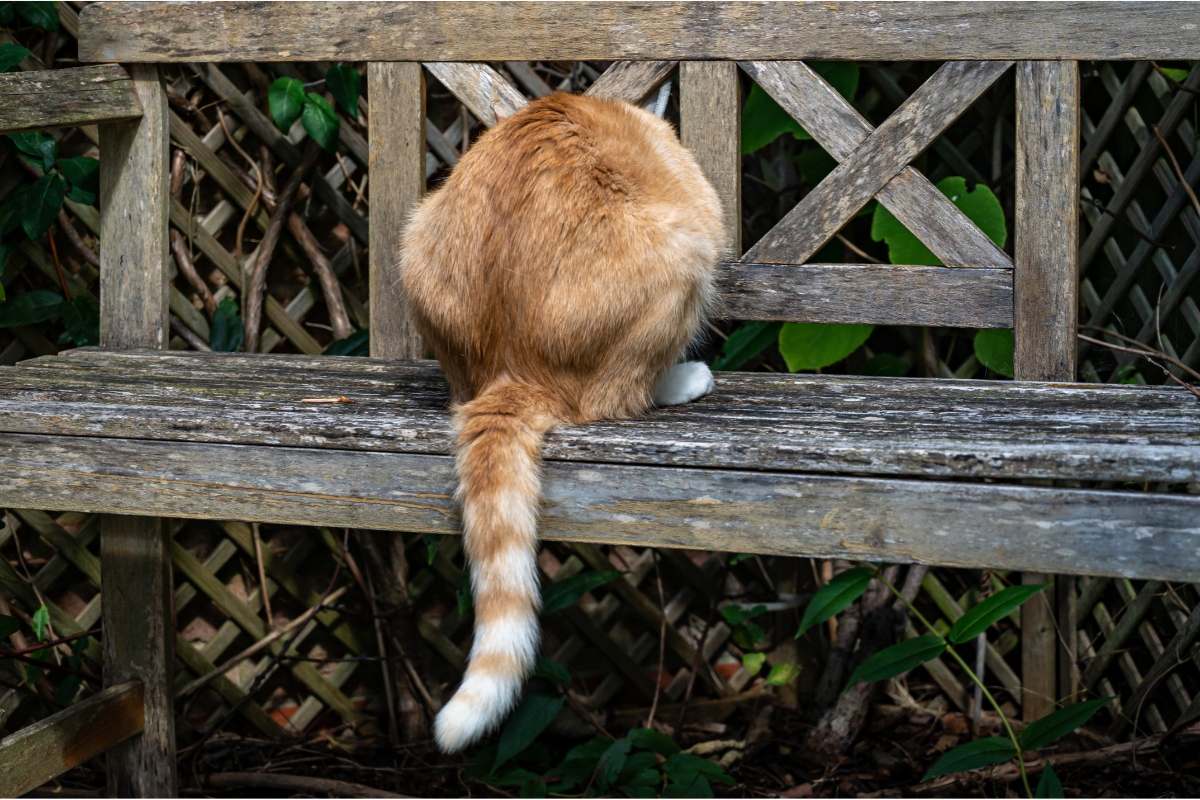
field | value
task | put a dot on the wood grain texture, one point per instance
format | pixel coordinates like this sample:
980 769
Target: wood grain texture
879 294
528 31
1039 648
888 150
397 139
1046 243
49 747
631 81
710 125
911 198
895 520
133 227
481 89
802 423
63 98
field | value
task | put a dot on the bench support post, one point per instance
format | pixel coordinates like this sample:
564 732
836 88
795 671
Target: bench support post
710 125
1045 315
138 623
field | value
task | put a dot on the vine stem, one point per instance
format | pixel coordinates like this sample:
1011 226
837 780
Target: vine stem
954 654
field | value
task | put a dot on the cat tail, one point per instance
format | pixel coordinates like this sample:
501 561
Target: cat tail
499 443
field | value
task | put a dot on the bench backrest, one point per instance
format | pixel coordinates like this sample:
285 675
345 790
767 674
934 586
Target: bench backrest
979 285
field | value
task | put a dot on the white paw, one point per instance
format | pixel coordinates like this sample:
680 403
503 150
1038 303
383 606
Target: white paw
683 383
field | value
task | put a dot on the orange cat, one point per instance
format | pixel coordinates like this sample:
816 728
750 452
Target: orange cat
558 275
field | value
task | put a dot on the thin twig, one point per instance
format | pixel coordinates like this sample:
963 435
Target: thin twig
62 279
188 336
1187 187
262 576
1146 353
859 252
1174 83
257 192
183 260
381 644
662 641
76 240
56 642
708 623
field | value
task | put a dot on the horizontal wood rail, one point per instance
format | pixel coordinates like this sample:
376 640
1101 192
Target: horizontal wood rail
62 98
207 436
48 748
482 31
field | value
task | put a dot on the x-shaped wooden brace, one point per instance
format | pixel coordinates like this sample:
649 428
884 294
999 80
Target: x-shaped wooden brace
875 163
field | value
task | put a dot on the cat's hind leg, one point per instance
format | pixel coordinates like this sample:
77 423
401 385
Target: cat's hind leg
683 383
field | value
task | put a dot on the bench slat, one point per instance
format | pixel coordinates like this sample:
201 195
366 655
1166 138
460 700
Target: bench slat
64 98
528 31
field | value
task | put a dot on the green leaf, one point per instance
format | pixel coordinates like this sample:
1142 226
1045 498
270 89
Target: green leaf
41 147
552 671
980 206
11 55
613 760
580 763
748 635
356 344
8 626
42 14
745 343
29 308
33 672
530 719
980 617
764 120
78 647
10 209
432 543
81 318
1049 785
815 165
1177 75
1052 727
463 595
565 593
66 691
345 84
972 755
533 787
652 740
898 659
227 333
285 99
42 204
320 120
681 764
753 662
994 349
841 591
6 13
41 622
696 785
813 345
739 558
735 614
84 175
782 674
885 365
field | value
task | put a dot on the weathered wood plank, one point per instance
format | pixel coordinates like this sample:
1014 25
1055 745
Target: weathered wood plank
138 620
48 748
911 198
481 89
956 524
936 428
889 149
62 98
631 81
397 134
710 125
528 31
867 293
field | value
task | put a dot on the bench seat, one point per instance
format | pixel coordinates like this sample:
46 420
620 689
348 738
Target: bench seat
827 466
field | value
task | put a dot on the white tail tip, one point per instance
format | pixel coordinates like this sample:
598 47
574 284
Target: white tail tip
478 707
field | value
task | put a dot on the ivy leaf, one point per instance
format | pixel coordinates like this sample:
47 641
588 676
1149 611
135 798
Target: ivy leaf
744 344
42 204
10 209
782 674
41 622
29 308
11 55
841 591
42 14
552 671
320 120
530 719
1052 727
8 626
813 345
84 175
981 616
753 662
285 99
565 593
356 344
898 659
980 206
994 349
1049 785
41 147
345 84
652 740
764 120
226 334
81 318
972 755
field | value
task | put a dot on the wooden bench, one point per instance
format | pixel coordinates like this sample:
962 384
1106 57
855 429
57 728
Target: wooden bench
979 474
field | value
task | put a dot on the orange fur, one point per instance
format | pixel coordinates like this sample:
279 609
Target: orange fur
565 264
